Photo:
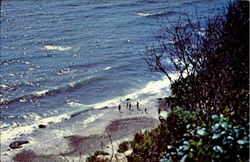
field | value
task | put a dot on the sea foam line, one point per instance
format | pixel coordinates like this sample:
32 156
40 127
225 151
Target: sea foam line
156 88
12 132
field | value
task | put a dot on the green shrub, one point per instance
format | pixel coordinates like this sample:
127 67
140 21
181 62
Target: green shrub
124 146
217 141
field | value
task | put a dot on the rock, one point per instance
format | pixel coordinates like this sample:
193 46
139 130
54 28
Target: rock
104 158
163 116
17 144
41 126
128 152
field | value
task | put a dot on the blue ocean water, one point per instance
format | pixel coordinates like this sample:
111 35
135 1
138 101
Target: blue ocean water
62 57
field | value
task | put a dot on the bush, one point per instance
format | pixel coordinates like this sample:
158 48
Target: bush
217 141
124 146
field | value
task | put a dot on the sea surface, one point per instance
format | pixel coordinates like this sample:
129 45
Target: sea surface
59 58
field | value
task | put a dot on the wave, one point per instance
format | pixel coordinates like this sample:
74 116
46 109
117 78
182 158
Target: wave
107 68
60 48
15 131
154 88
20 60
157 14
50 92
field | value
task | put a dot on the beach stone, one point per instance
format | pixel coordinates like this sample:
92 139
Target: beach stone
128 152
17 144
104 158
41 126
163 116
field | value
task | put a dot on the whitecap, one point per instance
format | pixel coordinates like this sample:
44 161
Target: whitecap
3 86
107 68
11 74
144 14
151 14
22 100
40 93
75 104
60 48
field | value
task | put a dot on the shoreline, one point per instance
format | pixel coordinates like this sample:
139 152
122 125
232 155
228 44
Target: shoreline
75 138
80 147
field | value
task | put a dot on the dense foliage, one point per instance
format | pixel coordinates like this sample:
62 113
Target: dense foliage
184 138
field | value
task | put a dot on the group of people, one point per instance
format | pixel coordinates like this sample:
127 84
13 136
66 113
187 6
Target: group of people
129 106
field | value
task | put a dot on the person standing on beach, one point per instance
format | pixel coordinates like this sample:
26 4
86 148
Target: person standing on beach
130 106
146 111
159 111
127 106
137 105
119 107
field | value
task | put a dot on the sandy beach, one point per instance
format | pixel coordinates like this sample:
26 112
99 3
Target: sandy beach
111 126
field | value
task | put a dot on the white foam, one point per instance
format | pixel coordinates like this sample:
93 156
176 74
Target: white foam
154 88
149 14
3 86
3 100
75 104
14 131
92 118
107 68
60 48
144 14
40 93
78 107
4 125
11 74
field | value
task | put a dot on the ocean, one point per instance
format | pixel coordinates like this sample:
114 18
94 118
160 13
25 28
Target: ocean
62 58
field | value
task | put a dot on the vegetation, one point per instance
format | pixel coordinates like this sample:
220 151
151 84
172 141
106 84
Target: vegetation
211 63
94 158
183 138
209 116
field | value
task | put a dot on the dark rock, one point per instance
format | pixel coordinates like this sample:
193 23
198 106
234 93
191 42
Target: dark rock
41 126
18 144
75 114
104 108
